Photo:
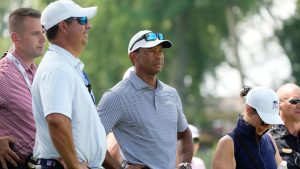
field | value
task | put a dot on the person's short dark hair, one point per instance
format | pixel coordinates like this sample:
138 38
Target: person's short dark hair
137 50
52 32
245 91
16 18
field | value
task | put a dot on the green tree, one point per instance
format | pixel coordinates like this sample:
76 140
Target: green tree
289 37
196 28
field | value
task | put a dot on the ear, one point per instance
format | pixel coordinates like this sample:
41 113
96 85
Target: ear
63 27
249 110
14 37
132 56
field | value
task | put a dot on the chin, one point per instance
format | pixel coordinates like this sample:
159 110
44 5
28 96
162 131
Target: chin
261 132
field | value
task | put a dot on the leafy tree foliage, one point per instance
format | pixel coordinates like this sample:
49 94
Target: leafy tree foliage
289 37
196 28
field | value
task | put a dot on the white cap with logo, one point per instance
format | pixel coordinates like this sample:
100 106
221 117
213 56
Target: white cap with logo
134 44
194 130
266 103
60 10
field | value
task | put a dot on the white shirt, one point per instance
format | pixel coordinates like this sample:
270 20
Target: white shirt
58 87
197 163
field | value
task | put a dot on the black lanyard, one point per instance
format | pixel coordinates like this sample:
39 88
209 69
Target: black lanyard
88 85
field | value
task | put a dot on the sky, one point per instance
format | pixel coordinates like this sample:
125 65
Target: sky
263 59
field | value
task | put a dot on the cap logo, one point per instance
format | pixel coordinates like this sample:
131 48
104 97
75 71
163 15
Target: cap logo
275 104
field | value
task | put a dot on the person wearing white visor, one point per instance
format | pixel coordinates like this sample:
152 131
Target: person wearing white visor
248 145
69 133
145 114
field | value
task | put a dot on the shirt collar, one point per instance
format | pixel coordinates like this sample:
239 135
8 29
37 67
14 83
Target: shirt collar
139 84
32 67
74 61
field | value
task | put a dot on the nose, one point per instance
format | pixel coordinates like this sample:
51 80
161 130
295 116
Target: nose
159 52
88 25
43 38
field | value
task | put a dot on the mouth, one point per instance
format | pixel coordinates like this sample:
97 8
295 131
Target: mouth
158 64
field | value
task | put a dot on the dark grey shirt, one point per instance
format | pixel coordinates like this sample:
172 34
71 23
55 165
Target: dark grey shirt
288 146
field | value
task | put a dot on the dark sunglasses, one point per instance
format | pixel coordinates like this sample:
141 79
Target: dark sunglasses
196 140
80 20
151 36
294 101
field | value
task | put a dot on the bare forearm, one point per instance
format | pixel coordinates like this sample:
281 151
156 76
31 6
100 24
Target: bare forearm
185 147
60 130
185 152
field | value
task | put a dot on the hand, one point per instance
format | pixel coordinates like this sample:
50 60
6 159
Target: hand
184 166
6 153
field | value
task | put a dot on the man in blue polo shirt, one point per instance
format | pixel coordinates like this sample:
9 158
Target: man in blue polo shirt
146 114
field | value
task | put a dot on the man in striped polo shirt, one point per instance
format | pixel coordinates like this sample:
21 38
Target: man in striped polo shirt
17 128
146 114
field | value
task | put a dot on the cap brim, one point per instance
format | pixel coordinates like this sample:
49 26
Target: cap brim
150 44
270 118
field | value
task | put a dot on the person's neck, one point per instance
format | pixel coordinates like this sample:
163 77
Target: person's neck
148 79
28 61
68 47
292 127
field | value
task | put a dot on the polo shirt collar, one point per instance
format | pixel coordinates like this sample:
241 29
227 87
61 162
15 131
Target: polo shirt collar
74 61
139 84
32 67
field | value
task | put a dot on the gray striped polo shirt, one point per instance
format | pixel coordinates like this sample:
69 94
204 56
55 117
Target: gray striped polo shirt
145 121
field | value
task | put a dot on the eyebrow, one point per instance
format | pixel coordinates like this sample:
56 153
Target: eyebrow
37 31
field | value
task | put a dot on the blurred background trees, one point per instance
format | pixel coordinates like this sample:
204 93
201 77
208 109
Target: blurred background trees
205 35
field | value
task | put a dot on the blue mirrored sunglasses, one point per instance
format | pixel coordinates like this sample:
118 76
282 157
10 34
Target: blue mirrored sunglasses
151 36
80 20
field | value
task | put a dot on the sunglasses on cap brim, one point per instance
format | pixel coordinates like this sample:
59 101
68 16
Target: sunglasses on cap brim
151 36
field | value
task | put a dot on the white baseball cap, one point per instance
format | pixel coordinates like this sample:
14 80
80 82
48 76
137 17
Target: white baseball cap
266 103
194 130
60 10
134 44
